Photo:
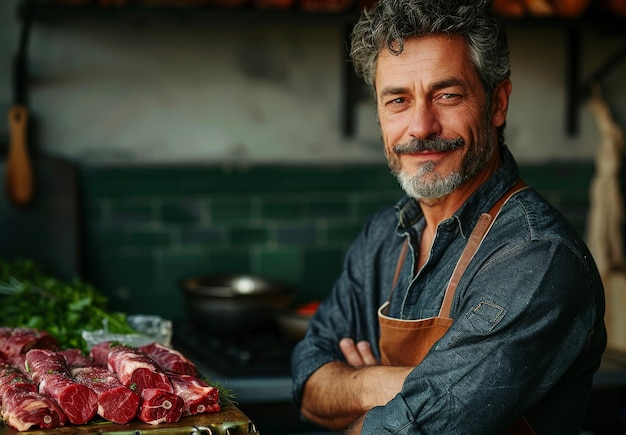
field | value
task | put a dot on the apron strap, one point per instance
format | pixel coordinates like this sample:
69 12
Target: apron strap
481 229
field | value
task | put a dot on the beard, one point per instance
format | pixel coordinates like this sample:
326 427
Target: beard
426 183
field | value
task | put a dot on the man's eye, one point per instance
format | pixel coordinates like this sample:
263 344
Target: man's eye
397 102
449 97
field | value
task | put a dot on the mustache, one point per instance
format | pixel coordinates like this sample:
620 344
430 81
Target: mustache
435 144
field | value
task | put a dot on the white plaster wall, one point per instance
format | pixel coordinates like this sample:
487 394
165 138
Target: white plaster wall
158 91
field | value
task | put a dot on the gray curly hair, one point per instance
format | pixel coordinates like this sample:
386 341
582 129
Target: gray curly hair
391 22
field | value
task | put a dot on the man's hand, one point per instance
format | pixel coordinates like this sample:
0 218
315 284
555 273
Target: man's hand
357 355
338 393
355 427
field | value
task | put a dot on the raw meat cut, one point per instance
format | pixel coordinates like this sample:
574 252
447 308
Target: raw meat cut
11 377
169 359
22 410
19 362
44 387
116 402
198 396
99 353
50 372
15 341
158 406
133 368
22 407
75 358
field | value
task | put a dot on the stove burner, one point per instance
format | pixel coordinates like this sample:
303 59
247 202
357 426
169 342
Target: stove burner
260 352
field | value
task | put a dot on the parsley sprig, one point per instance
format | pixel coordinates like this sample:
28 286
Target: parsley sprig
31 298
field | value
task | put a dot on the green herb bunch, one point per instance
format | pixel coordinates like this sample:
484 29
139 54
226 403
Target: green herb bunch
31 298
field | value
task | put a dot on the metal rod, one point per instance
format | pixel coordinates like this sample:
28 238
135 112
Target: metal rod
572 74
602 71
20 63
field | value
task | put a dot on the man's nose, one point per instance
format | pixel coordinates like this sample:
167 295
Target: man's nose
424 121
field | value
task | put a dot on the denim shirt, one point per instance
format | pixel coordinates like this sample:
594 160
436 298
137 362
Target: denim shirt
528 330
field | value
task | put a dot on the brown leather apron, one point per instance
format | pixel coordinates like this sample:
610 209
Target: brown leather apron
406 342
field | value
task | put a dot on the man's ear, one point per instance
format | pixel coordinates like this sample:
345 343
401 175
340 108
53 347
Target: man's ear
500 102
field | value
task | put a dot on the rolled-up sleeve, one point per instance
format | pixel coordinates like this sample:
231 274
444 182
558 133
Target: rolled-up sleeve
350 310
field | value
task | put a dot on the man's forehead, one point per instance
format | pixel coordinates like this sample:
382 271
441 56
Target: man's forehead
424 54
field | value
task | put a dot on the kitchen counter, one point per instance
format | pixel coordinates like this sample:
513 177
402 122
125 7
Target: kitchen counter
612 372
267 389
251 389
267 399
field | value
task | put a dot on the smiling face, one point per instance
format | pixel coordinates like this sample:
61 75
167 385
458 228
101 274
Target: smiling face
438 128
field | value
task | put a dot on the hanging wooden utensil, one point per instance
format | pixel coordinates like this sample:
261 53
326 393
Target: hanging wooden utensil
19 183
605 220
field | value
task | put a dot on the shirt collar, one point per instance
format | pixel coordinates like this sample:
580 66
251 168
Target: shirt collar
409 211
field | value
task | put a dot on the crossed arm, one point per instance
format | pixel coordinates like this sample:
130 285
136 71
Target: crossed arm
338 394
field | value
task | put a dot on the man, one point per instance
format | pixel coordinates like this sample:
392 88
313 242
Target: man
515 342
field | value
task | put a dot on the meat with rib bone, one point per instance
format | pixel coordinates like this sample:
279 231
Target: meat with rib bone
158 406
169 359
22 407
198 396
49 371
133 368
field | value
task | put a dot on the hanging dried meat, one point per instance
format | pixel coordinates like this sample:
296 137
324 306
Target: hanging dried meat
541 8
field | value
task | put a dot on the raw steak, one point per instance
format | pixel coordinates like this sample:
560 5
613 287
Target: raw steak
22 407
22 410
75 358
19 362
198 396
11 377
50 372
170 359
116 402
133 368
158 406
15 341
100 353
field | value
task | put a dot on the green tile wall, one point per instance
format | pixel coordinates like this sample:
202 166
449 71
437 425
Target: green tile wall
146 228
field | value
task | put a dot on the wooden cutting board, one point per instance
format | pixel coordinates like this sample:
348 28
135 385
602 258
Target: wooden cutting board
229 421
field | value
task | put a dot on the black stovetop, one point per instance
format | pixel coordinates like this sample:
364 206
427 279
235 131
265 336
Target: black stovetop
261 351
